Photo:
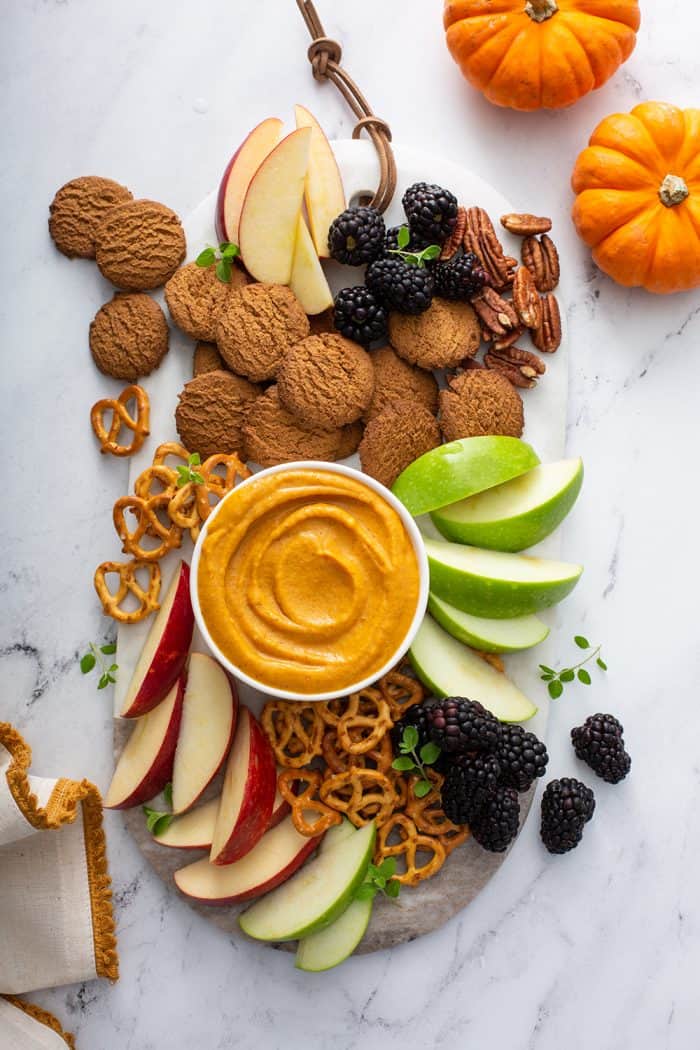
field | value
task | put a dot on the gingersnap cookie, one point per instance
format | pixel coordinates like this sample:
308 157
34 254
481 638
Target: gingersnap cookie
273 435
77 210
326 380
351 436
139 245
440 337
206 358
256 326
195 297
211 411
478 403
403 431
129 336
396 380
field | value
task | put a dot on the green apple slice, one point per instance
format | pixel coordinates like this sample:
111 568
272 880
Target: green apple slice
496 584
448 668
337 834
314 897
328 948
491 636
517 514
460 469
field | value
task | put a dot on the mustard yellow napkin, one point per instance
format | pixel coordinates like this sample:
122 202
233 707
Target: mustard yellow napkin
56 922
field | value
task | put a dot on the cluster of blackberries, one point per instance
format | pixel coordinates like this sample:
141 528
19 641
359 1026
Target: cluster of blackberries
402 273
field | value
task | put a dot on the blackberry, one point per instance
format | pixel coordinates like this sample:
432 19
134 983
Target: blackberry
415 716
431 211
415 243
459 278
567 805
402 286
599 742
496 824
459 725
522 757
359 315
469 783
357 236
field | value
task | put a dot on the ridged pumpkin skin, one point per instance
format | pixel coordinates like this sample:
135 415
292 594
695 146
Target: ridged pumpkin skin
526 64
621 180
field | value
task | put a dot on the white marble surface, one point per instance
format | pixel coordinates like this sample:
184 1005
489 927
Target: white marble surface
597 949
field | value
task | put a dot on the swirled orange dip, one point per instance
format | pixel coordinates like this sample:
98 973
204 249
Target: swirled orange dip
307 580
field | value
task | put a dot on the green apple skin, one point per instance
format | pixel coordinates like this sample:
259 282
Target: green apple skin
517 514
493 589
302 905
488 635
335 835
330 947
461 468
449 668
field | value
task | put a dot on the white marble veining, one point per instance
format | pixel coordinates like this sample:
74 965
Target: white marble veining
597 949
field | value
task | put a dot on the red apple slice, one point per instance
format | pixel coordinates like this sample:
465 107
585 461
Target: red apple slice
165 650
274 859
208 723
268 224
308 281
193 830
323 189
239 171
248 793
280 809
146 763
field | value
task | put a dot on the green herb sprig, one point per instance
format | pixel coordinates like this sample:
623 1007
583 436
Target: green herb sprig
556 680
185 474
94 658
223 256
158 821
379 879
413 258
411 760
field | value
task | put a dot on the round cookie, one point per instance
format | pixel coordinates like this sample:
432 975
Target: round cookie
256 327
273 435
139 245
402 432
396 380
77 210
480 402
129 336
211 411
195 297
326 380
440 337
206 358
351 436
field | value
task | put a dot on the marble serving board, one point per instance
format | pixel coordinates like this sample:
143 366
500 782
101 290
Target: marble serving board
469 868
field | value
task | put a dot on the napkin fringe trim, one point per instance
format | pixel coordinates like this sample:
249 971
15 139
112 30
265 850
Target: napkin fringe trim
62 808
44 1017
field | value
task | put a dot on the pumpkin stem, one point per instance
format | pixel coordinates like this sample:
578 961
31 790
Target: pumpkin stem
673 190
541 10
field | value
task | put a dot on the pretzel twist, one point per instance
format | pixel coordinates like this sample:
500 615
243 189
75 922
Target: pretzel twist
128 584
400 692
295 731
364 722
121 417
306 801
410 844
362 794
147 523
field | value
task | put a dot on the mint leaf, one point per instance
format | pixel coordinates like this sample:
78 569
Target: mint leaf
582 642
108 649
410 737
429 753
229 251
195 460
196 477
567 675
223 271
388 867
555 689
87 662
403 236
602 664
104 681
403 763
431 252
206 258
583 676
365 892
547 670
168 795
393 888
422 788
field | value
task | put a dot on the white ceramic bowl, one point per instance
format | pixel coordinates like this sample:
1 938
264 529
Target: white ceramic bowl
423 581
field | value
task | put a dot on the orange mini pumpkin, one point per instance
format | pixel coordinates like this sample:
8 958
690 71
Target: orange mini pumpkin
534 54
638 197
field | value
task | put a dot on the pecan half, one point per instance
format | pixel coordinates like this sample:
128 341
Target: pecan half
547 338
542 260
495 313
454 241
525 225
507 340
526 299
480 238
521 367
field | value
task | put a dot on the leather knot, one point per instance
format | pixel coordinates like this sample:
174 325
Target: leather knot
322 51
372 122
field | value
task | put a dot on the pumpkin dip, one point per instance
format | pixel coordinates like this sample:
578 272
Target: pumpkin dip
307 580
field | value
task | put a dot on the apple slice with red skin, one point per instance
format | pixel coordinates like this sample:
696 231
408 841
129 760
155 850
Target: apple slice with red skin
271 209
239 171
209 713
191 830
280 809
276 856
248 793
165 650
146 764
323 189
